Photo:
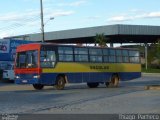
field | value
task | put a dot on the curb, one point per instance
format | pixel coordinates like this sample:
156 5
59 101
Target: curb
151 74
152 87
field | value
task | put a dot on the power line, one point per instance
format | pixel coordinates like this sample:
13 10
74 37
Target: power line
18 24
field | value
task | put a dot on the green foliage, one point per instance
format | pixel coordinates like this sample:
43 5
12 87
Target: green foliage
154 55
158 50
151 53
150 70
101 39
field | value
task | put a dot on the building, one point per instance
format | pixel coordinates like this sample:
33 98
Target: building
115 34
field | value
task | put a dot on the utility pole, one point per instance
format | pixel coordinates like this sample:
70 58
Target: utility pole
146 55
42 22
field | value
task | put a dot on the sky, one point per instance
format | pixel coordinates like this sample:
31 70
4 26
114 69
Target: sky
20 17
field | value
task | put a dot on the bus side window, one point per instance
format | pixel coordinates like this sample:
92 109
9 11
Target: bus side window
119 55
95 55
81 54
125 56
112 58
48 59
51 58
106 55
65 54
134 56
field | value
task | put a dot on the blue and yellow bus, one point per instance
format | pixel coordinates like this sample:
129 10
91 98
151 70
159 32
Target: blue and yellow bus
45 64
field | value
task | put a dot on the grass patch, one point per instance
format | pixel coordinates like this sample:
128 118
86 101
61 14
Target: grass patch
150 70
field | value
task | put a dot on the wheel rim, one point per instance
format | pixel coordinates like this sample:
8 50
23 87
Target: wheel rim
115 81
60 83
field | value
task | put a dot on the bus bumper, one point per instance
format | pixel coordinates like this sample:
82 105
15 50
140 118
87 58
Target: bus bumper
27 81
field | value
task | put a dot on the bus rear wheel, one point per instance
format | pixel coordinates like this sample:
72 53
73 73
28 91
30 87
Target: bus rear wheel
38 86
114 82
60 83
92 85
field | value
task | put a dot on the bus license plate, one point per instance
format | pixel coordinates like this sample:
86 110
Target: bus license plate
24 81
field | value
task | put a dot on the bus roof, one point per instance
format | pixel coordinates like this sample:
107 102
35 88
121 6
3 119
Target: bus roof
81 46
30 46
33 46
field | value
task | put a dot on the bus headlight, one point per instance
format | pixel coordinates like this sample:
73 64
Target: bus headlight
17 77
36 76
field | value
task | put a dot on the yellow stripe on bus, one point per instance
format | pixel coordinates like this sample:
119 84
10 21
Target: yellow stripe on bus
92 67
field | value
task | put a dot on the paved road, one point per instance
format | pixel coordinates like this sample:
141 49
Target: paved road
130 97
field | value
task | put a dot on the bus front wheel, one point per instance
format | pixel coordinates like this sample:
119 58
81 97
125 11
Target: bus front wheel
38 86
60 83
114 82
92 85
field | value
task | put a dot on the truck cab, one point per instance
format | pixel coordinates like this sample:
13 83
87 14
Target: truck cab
7 71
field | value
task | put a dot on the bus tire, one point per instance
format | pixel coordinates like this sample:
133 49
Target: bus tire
38 86
93 85
60 83
114 82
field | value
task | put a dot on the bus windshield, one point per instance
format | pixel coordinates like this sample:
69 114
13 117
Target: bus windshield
27 59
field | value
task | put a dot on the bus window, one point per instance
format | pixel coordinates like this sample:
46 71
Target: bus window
112 52
47 59
112 59
65 54
124 52
83 51
20 63
119 59
81 54
118 52
65 50
27 59
119 56
125 56
31 59
106 59
133 53
134 56
134 59
93 51
96 58
81 58
105 52
106 55
95 55
67 58
125 59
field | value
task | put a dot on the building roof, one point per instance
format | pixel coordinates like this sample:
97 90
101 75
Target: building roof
115 34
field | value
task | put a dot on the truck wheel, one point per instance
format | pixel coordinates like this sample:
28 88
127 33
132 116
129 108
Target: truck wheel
60 83
114 82
92 85
38 86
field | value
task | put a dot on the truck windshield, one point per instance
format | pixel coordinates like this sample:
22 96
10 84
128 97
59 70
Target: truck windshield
27 59
6 66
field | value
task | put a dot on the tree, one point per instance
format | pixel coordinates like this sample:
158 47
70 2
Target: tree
158 49
154 55
101 39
